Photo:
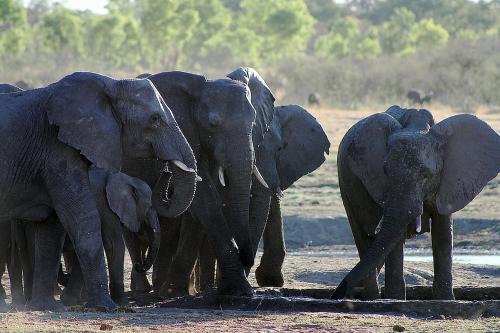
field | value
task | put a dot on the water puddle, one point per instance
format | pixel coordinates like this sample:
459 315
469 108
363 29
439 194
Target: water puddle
416 255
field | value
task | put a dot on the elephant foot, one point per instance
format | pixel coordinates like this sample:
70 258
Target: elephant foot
3 306
140 283
49 304
269 277
235 286
71 297
18 299
443 294
171 290
101 304
118 294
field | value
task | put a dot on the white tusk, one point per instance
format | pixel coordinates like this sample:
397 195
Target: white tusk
198 178
259 177
379 226
221 176
418 224
183 166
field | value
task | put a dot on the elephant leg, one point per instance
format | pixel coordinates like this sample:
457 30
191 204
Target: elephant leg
24 233
170 233
114 246
5 240
207 266
178 278
49 237
206 208
395 286
14 264
74 293
363 215
442 252
269 274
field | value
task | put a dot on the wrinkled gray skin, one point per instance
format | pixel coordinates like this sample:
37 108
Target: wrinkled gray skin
126 210
216 117
399 173
294 146
50 136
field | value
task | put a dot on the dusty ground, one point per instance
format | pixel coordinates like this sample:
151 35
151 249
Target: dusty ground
314 199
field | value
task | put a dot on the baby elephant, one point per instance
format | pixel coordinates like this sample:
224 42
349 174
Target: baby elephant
400 174
125 208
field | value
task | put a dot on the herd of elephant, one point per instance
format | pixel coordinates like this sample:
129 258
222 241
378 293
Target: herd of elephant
187 174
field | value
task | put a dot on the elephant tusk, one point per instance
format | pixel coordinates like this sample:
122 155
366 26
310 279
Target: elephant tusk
379 226
259 177
418 224
198 178
183 166
221 176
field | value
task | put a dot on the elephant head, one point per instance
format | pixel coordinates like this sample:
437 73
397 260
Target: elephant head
108 120
217 116
294 146
404 161
130 199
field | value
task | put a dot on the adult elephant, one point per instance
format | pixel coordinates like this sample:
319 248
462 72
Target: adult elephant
400 172
293 146
217 117
50 136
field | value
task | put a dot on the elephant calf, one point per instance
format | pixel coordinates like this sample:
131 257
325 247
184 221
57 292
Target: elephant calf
400 175
126 210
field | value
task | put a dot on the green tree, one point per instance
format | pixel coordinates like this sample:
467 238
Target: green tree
427 33
116 39
14 28
61 30
341 39
167 26
395 33
281 30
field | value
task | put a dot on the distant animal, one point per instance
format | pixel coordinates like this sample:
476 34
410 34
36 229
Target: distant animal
417 97
314 99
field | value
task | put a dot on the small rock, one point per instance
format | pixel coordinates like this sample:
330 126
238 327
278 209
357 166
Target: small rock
398 328
105 327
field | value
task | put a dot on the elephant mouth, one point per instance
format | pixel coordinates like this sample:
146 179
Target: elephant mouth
169 190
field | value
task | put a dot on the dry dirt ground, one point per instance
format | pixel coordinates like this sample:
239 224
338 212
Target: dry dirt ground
314 198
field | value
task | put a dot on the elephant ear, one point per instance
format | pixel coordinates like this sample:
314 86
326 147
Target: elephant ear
123 194
471 158
262 100
366 147
81 107
304 144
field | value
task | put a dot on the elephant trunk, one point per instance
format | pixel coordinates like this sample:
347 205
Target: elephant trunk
239 176
391 233
173 192
154 236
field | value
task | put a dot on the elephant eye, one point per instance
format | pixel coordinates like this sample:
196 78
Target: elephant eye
155 120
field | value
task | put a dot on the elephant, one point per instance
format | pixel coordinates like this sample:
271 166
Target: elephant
222 125
50 137
400 174
294 146
417 97
126 210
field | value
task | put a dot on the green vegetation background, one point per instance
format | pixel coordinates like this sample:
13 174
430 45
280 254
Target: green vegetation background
351 52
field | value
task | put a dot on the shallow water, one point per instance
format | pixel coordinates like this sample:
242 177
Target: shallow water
416 255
